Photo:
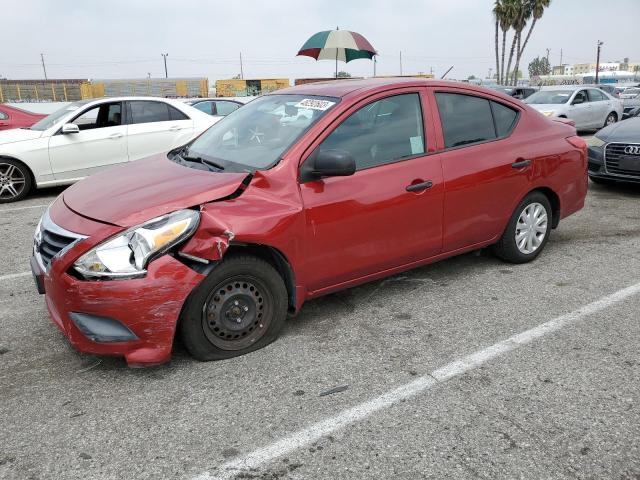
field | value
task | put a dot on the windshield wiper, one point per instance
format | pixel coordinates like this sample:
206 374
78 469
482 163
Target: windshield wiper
204 161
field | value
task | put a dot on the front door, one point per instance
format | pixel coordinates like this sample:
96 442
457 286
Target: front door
101 142
389 213
580 110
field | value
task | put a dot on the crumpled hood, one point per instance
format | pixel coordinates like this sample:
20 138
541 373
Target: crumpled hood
138 191
18 135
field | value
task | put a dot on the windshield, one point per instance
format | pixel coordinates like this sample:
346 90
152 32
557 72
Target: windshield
51 120
549 96
256 135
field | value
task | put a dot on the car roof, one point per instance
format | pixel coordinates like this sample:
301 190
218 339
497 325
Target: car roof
344 88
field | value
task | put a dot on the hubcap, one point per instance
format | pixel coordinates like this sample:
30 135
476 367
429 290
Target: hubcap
237 313
611 119
12 181
531 228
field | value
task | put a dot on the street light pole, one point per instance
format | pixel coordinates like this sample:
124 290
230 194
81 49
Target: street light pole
43 66
165 55
598 61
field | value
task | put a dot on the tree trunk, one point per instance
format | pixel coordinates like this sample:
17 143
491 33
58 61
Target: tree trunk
513 48
504 48
497 54
515 70
526 39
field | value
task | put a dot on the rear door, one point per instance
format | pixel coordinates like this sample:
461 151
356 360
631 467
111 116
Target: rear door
580 110
389 213
101 142
599 107
155 127
485 171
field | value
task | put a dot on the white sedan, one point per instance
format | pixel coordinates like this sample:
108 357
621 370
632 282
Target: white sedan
87 136
589 107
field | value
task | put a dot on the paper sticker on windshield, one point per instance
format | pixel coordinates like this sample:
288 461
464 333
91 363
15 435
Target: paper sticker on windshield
315 104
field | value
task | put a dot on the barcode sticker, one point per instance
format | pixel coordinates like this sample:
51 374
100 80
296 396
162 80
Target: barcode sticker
315 104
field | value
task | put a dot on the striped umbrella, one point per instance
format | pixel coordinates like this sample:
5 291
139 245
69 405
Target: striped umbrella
337 45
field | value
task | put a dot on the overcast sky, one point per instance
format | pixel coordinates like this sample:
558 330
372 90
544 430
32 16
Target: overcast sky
124 38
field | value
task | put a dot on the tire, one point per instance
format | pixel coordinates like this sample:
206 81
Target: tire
240 307
507 248
611 119
15 180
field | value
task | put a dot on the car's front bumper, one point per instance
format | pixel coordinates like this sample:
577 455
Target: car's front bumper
134 318
598 170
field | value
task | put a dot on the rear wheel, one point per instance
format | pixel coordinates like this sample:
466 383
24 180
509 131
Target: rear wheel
240 307
528 230
611 119
15 180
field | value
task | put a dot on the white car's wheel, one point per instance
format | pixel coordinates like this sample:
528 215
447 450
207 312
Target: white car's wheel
15 180
611 119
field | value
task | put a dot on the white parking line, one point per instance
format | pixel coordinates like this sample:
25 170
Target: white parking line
22 208
14 275
314 432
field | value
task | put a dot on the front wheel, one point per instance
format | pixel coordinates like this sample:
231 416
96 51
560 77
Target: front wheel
611 119
15 180
240 307
528 230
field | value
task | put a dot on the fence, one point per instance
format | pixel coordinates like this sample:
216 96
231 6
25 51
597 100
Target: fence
41 91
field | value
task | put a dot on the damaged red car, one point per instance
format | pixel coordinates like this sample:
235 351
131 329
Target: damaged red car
299 193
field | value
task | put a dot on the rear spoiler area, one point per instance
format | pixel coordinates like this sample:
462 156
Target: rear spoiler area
566 121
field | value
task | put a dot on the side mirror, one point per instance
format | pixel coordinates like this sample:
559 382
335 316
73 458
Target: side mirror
70 128
328 163
577 101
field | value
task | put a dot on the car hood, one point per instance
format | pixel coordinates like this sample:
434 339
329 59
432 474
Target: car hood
627 131
18 135
133 193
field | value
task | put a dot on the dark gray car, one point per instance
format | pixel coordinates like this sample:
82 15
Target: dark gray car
614 153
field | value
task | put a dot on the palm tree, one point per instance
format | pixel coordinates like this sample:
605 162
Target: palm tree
504 12
525 10
537 10
496 10
518 21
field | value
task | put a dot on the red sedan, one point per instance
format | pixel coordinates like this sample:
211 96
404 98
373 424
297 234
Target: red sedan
300 193
11 117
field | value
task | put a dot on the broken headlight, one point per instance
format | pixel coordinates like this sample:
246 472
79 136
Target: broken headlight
126 255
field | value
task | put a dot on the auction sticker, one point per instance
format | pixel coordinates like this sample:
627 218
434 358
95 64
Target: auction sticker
315 104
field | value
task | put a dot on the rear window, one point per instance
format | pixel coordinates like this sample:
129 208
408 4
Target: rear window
505 118
149 112
465 119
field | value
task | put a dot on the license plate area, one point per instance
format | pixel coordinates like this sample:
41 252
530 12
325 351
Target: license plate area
629 163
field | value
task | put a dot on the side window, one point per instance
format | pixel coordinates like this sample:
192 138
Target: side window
465 119
176 114
381 132
3 116
504 118
206 107
225 108
148 112
596 95
101 116
581 97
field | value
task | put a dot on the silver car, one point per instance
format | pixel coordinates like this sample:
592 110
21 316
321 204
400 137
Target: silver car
589 107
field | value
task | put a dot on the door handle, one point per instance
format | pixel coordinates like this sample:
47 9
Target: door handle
173 128
115 136
416 187
521 163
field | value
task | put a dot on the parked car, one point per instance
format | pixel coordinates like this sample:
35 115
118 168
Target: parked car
589 108
633 92
216 106
87 136
610 89
516 92
629 106
12 117
219 240
614 153
631 112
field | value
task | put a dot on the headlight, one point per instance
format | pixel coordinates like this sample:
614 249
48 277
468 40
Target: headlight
595 142
548 113
127 254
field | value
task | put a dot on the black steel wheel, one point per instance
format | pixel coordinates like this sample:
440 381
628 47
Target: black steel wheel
240 307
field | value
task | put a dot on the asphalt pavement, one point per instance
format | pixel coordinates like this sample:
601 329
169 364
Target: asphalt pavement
468 368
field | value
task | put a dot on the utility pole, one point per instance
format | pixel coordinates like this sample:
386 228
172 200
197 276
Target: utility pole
43 66
548 50
374 65
241 70
598 60
489 76
560 57
165 55
431 70
400 62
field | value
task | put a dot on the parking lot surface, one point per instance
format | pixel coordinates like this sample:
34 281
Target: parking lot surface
565 404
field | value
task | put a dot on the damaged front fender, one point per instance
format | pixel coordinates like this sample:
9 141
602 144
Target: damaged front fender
210 241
